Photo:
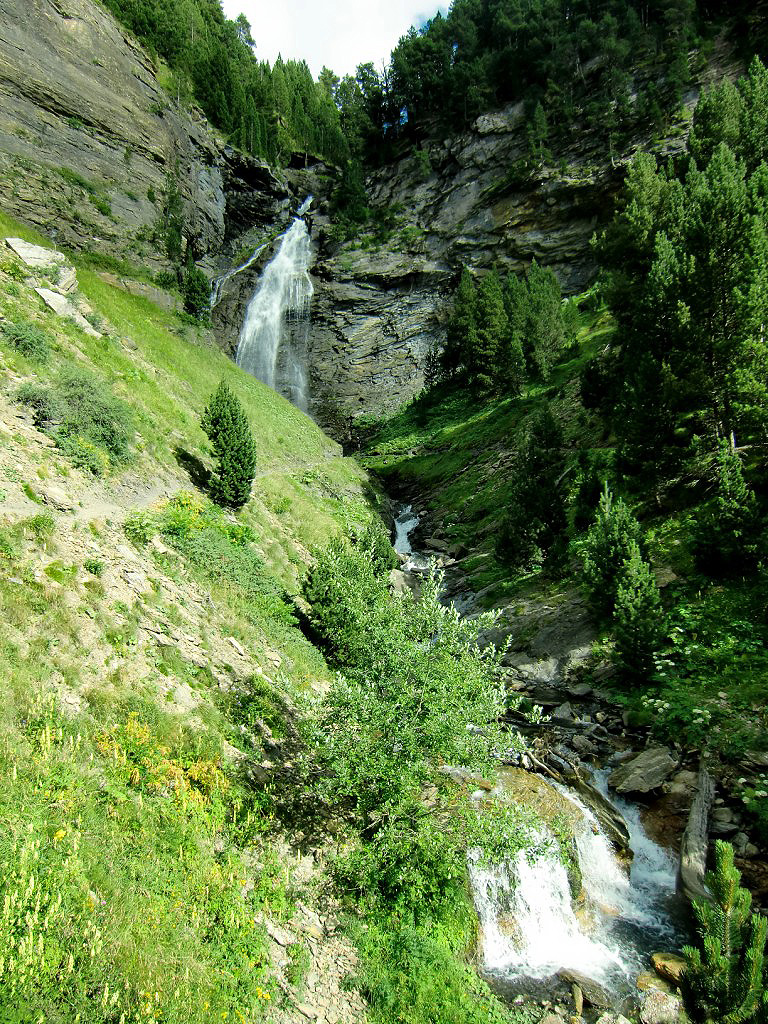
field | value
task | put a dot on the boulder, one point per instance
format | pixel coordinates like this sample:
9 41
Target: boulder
612 1018
592 991
564 713
669 966
64 307
657 1007
644 772
56 498
649 979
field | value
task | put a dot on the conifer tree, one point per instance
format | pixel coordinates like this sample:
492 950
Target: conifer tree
725 537
462 325
608 545
638 623
485 356
723 980
535 521
225 423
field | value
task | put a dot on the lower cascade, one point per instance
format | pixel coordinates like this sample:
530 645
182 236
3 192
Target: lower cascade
532 924
274 336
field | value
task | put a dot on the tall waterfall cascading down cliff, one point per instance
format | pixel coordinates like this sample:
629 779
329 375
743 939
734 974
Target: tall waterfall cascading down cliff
275 333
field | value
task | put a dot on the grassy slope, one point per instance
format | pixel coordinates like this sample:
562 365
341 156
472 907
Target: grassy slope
123 726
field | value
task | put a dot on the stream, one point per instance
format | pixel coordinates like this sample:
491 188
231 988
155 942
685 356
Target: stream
532 925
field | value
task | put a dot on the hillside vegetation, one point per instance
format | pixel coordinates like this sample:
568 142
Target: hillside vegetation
655 412
152 660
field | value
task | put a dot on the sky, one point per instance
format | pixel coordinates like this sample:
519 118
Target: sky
339 34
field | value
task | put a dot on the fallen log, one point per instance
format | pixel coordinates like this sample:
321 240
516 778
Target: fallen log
693 849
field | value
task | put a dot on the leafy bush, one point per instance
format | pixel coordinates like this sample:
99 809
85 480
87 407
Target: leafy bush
91 425
414 681
225 423
29 339
408 974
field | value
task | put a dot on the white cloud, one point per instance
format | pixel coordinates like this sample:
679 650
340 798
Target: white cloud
339 34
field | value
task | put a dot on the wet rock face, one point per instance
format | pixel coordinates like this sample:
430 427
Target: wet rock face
375 317
88 138
644 772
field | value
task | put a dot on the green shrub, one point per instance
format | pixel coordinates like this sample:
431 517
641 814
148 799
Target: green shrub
44 403
140 527
94 566
408 974
29 339
225 423
300 963
39 527
92 412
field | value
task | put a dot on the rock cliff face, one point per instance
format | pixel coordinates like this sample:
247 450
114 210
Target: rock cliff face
379 309
89 141
91 144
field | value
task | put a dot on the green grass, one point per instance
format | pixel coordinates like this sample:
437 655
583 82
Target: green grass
167 375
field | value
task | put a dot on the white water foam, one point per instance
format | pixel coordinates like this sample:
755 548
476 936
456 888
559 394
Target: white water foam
405 522
527 922
529 929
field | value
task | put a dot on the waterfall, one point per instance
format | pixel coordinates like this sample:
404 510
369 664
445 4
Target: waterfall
529 928
217 285
275 333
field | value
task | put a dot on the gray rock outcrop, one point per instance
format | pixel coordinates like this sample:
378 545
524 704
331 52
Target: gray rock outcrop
644 772
89 138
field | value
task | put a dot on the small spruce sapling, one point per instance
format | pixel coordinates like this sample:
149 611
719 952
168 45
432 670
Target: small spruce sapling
225 423
607 547
723 980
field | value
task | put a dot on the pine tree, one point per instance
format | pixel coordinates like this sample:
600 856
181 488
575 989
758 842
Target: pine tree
638 623
544 323
534 521
462 326
723 980
197 294
608 545
225 423
725 537
486 353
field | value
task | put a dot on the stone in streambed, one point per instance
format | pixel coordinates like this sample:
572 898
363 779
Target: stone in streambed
644 772
593 993
669 966
659 1007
